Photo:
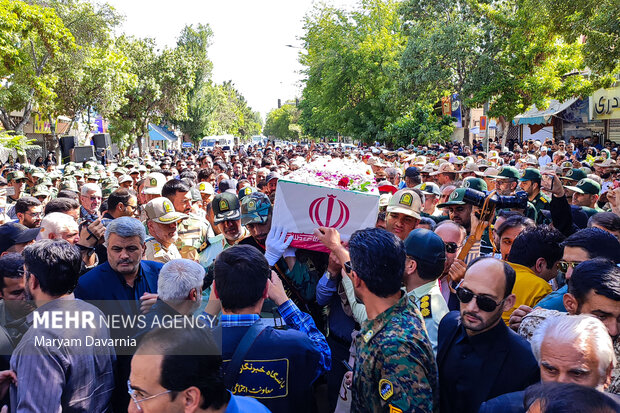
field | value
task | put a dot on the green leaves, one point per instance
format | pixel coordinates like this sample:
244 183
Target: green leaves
283 123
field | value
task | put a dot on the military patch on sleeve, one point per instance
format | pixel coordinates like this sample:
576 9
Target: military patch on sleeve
542 199
368 336
394 409
386 390
406 199
425 306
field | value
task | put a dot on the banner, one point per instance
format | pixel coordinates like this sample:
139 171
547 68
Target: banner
301 208
456 111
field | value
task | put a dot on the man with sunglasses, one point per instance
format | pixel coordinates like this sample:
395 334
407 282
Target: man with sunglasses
479 357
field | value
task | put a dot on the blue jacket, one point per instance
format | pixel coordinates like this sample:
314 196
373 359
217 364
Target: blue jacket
282 369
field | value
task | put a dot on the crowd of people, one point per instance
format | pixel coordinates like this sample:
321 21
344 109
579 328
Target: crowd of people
490 282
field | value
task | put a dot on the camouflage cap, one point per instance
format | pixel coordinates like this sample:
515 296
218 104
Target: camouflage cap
107 191
406 202
255 208
161 210
69 185
41 190
15 176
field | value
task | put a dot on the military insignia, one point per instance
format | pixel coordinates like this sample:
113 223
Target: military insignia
423 186
581 182
153 182
386 390
394 409
368 336
454 195
156 247
247 190
167 206
224 205
406 199
425 306
466 183
201 187
570 173
501 169
543 200
251 206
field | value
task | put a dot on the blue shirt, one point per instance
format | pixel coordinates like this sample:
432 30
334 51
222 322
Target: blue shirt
340 324
241 404
555 300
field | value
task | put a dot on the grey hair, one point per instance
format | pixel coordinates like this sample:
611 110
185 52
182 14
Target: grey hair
86 188
125 227
178 277
580 330
56 223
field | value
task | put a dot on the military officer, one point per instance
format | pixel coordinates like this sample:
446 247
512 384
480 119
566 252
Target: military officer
426 258
530 182
162 224
17 181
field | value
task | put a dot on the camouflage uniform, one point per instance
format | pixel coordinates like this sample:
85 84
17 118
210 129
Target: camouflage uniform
533 320
156 252
395 369
193 233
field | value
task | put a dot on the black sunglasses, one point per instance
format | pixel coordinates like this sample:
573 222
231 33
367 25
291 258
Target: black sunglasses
486 304
451 247
347 267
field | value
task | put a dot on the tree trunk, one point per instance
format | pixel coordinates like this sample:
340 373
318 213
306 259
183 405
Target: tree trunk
5 118
505 125
466 115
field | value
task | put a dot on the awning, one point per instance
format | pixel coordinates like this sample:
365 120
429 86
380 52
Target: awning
157 133
542 117
476 129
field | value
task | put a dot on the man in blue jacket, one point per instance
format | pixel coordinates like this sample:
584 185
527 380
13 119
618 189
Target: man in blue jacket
275 366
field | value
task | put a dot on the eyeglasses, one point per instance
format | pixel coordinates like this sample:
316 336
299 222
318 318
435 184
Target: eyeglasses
35 214
486 304
452 247
134 396
563 265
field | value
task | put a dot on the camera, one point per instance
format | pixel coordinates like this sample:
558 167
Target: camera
477 198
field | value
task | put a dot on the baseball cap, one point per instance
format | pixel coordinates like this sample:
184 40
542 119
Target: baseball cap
508 172
456 198
243 192
575 174
469 167
386 186
272 175
13 233
229 185
407 202
412 172
531 174
162 210
586 186
424 245
206 188
429 188
154 182
384 200
15 176
125 178
445 167
255 208
475 183
226 207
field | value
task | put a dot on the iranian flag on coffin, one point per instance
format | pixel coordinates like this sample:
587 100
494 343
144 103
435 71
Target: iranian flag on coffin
301 208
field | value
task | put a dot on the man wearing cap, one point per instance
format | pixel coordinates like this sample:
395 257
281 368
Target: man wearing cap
446 174
14 237
17 181
412 178
431 193
585 195
403 213
193 231
425 262
530 182
272 182
296 268
227 218
162 225
543 159
459 211
507 180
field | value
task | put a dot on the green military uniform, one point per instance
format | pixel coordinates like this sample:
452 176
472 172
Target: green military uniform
591 187
395 369
193 233
540 201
